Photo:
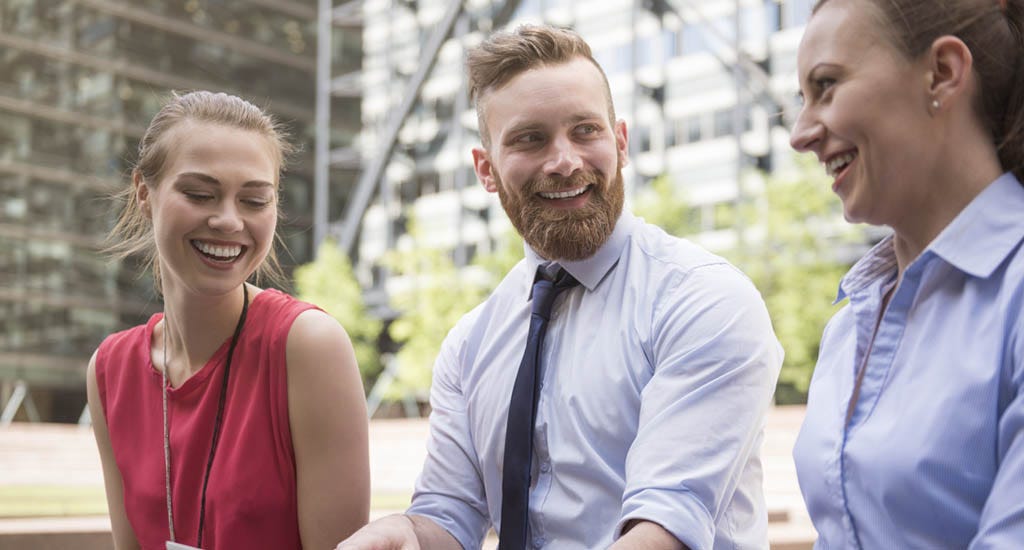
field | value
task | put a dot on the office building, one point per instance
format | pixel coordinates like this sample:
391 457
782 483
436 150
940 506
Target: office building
79 80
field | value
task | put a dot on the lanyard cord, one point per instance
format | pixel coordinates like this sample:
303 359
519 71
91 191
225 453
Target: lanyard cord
216 424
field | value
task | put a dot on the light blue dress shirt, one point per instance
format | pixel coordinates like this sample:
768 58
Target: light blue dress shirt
933 455
657 374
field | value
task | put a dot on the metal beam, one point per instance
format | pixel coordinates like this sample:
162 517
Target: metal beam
348 227
753 71
504 15
12 232
287 7
39 110
138 72
322 144
202 34
72 301
18 397
57 175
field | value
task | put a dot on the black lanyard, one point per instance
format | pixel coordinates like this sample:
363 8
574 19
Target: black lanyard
217 423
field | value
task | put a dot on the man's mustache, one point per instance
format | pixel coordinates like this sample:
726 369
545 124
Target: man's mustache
546 184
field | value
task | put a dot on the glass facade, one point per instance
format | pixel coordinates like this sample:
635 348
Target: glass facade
672 79
79 80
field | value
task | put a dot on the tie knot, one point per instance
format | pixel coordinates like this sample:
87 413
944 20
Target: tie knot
547 286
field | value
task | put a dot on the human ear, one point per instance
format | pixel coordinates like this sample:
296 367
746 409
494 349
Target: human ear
622 141
141 194
484 169
950 65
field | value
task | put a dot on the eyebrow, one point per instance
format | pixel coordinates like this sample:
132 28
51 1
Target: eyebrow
818 67
580 117
575 118
206 178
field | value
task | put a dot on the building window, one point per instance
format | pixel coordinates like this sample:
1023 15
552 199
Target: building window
722 123
692 128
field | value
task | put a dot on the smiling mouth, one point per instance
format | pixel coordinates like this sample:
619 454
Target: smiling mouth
838 163
565 194
216 253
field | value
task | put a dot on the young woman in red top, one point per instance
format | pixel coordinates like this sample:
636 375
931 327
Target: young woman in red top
235 418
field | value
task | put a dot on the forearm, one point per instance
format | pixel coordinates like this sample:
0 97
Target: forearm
646 535
401 532
432 536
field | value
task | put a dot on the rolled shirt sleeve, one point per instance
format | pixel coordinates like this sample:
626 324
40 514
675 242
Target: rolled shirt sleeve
716 361
450 489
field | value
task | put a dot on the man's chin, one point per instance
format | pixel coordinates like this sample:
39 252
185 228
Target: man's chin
571 240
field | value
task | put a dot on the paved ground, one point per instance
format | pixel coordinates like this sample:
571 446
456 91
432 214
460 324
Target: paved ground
61 455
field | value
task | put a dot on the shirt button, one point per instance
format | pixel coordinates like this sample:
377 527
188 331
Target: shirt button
538 542
545 467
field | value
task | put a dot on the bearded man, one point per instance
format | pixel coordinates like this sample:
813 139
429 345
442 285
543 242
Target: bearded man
612 391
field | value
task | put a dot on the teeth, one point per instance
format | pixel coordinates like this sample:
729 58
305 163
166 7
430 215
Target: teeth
224 252
565 194
838 163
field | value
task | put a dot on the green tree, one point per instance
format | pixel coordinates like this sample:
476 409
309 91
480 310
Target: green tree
328 281
797 263
664 205
431 296
497 262
789 250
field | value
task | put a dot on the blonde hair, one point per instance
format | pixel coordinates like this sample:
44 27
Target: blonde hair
133 233
506 54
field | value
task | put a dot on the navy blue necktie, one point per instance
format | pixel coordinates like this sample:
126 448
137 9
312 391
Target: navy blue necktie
522 414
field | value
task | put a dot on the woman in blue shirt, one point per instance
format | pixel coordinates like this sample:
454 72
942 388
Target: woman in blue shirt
914 435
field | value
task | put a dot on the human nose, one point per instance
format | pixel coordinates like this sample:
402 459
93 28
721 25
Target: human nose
807 133
565 159
226 219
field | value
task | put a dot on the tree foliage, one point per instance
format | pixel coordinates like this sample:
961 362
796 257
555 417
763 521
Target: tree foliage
664 205
329 282
432 296
793 235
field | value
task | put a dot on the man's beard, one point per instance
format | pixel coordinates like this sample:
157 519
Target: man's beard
565 234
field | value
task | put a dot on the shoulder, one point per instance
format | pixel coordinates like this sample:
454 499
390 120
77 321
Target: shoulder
273 314
652 245
314 331
673 265
121 345
276 303
513 286
128 337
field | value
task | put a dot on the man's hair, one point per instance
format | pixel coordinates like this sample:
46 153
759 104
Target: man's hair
507 54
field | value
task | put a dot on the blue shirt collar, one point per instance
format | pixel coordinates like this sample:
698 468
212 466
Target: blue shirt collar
986 231
590 271
878 262
976 242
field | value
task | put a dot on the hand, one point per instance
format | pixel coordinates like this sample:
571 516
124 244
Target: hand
394 532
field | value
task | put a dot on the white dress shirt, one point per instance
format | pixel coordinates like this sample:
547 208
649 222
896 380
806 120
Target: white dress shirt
657 373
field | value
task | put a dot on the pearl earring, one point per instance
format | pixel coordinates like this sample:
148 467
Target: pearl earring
935 104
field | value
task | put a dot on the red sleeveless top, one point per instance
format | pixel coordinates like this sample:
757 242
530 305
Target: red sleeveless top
251 497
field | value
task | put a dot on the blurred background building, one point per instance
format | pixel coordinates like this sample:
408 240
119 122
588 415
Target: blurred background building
79 81
704 86
374 92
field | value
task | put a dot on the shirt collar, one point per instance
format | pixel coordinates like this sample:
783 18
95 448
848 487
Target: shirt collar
590 271
986 231
878 262
976 242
